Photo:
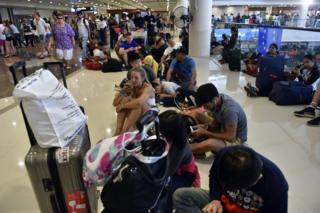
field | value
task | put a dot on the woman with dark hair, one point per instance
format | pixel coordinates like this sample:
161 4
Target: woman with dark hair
133 100
175 128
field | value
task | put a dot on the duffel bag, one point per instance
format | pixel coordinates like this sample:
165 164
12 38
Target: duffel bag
291 93
92 64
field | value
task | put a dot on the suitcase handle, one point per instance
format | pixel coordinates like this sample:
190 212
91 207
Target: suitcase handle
46 65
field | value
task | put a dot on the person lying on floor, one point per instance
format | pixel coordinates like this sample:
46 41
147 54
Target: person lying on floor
230 116
310 111
137 97
240 181
271 69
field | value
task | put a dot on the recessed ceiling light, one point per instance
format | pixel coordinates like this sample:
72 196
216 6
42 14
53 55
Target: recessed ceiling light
28 0
40 2
51 2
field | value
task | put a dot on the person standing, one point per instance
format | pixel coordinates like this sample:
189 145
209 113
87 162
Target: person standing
151 23
48 36
63 36
2 38
41 31
16 35
27 32
10 49
83 32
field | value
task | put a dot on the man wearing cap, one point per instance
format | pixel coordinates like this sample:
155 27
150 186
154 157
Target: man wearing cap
183 70
128 46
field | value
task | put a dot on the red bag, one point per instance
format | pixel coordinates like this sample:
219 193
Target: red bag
231 207
91 64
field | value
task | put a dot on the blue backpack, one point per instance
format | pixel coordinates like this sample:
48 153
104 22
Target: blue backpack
291 93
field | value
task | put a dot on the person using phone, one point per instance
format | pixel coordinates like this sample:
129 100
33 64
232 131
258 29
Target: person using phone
240 180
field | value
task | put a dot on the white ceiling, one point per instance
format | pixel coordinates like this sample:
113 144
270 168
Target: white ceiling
157 5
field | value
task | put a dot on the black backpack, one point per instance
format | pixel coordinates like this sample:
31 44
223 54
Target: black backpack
139 187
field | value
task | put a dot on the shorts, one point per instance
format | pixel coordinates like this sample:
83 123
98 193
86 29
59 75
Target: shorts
235 143
9 38
2 42
48 36
42 38
64 54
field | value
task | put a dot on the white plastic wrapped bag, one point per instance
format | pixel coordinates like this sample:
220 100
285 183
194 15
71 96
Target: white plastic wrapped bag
54 116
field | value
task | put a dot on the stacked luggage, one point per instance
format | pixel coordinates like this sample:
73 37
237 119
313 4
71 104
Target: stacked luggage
54 161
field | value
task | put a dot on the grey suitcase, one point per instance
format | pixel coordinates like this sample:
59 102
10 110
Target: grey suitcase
56 173
56 177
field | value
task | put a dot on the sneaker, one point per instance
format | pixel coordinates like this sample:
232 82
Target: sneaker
251 91
308 112
314 122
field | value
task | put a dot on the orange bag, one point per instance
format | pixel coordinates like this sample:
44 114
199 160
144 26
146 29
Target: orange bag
91 64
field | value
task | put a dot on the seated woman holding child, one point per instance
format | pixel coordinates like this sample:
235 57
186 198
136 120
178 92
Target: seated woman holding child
137 97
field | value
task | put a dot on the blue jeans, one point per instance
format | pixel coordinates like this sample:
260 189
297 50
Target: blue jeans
84 44
190 200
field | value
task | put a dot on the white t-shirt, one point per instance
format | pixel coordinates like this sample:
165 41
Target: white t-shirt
101 25
170 49
48 28
41 26
82 28
169 87
98 53
2 35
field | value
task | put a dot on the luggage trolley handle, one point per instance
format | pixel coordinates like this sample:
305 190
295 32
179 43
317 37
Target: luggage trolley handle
13 69
46 65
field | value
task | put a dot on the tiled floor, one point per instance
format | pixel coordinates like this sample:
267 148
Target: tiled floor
273 131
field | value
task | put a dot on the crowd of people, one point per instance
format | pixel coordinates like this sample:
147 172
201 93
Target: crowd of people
240 179
274 19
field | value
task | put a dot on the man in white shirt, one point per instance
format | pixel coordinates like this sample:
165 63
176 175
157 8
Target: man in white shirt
172 45
84 32
41 31
102 28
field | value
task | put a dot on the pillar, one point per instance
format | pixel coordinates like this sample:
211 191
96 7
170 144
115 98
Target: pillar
303 15
200 28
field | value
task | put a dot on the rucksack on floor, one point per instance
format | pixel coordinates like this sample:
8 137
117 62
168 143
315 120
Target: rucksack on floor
291 93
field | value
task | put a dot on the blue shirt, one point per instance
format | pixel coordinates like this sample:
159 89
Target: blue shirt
184 68
125 45
270 194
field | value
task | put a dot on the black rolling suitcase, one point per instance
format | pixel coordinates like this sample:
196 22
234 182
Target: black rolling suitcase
56 173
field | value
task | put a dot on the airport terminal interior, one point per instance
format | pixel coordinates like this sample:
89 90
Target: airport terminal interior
231 88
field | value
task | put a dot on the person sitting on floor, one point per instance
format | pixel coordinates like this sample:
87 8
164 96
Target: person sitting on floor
227 113
271 69
310 111
158 48
135 62
133 100
183 70
251 61
307 72
240 181
130 45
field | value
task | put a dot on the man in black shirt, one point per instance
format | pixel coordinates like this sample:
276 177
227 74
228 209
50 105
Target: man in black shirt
151 23
240 180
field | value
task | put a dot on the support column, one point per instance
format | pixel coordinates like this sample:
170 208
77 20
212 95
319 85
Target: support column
200 28
303 15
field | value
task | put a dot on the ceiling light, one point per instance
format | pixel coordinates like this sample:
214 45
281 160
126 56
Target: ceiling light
40 2
51 2
28 0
